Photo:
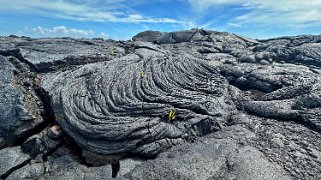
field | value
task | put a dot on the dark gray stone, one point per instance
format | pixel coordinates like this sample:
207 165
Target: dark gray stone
12 158
299 49
148 36
45 55
248 58
42 143
212 158
264 62
20 108
30 171
66 167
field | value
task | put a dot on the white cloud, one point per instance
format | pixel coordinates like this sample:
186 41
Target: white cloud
81 11
135 16
60 31
297 13
201 5
234 25
40 30
82 32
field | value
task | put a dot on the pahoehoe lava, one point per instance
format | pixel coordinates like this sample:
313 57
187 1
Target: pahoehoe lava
110 108
194 104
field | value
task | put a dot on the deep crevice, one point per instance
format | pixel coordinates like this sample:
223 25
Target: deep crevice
308 124
115 169
76 149
251 86
146 47
37 129
52 151
299 120
5 175
47 116
17 54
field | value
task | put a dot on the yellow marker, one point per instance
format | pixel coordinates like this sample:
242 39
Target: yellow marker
171 115
142 74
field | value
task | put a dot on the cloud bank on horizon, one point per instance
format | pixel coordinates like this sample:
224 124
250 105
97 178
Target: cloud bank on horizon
121 19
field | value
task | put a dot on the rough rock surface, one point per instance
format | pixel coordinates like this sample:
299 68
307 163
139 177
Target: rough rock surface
45 55
218 156
11 158
138 107
21 109
192 104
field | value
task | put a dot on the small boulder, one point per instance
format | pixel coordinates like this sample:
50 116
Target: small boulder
247 58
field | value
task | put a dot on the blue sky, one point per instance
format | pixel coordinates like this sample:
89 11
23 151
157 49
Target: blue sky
121 19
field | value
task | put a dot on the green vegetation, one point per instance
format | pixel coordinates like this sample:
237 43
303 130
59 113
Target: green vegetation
171 115
112 51
273 63
168 117
142 74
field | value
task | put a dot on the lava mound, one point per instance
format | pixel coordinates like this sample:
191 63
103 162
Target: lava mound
139 105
